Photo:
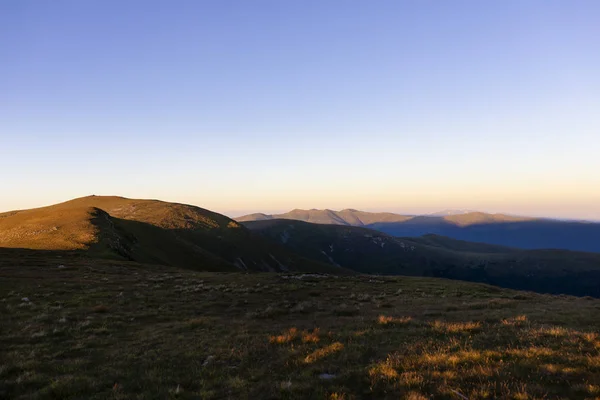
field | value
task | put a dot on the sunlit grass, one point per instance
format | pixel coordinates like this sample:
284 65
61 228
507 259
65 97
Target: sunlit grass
455 327
323 352
286 337
519 320
384 320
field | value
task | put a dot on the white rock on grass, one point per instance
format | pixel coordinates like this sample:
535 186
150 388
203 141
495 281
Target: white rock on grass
208 361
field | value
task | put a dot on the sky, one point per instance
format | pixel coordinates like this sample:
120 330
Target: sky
245 106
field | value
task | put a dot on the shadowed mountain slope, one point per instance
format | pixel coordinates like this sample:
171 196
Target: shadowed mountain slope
500 229
369 251
147 231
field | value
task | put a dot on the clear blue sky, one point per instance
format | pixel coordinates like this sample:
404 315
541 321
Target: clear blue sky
239 106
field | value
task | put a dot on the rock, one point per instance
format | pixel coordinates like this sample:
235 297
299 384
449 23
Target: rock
364 297
208 361
61 267
25 299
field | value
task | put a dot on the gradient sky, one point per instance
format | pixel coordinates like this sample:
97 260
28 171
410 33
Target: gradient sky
242 106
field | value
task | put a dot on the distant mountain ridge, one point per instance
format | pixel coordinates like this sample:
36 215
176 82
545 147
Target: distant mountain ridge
372 252
347 216
450 212
354 217
472 226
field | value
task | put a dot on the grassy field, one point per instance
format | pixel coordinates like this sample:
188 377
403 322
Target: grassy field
78 328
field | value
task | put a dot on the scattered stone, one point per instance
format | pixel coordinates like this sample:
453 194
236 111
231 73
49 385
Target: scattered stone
208 361
61 267
364 297
25 299
399 291
300 277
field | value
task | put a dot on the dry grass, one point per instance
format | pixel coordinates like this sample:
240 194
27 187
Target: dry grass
455 327
323 352
384 320
310 337
286 337
170 333
519 320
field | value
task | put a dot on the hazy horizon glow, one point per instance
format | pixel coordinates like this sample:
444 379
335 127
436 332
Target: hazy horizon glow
238 107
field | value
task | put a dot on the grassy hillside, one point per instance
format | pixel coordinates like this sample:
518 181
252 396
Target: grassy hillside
147 231
499 229
369 251
93 329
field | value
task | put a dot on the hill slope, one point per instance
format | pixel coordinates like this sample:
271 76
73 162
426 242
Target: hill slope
147 231
506 230
369 251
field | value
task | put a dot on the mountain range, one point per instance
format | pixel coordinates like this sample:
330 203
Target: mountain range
500 229
185 236
372 252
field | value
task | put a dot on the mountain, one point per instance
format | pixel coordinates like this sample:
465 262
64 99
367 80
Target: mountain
500 229
147 231
450 212
373 252
348 216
